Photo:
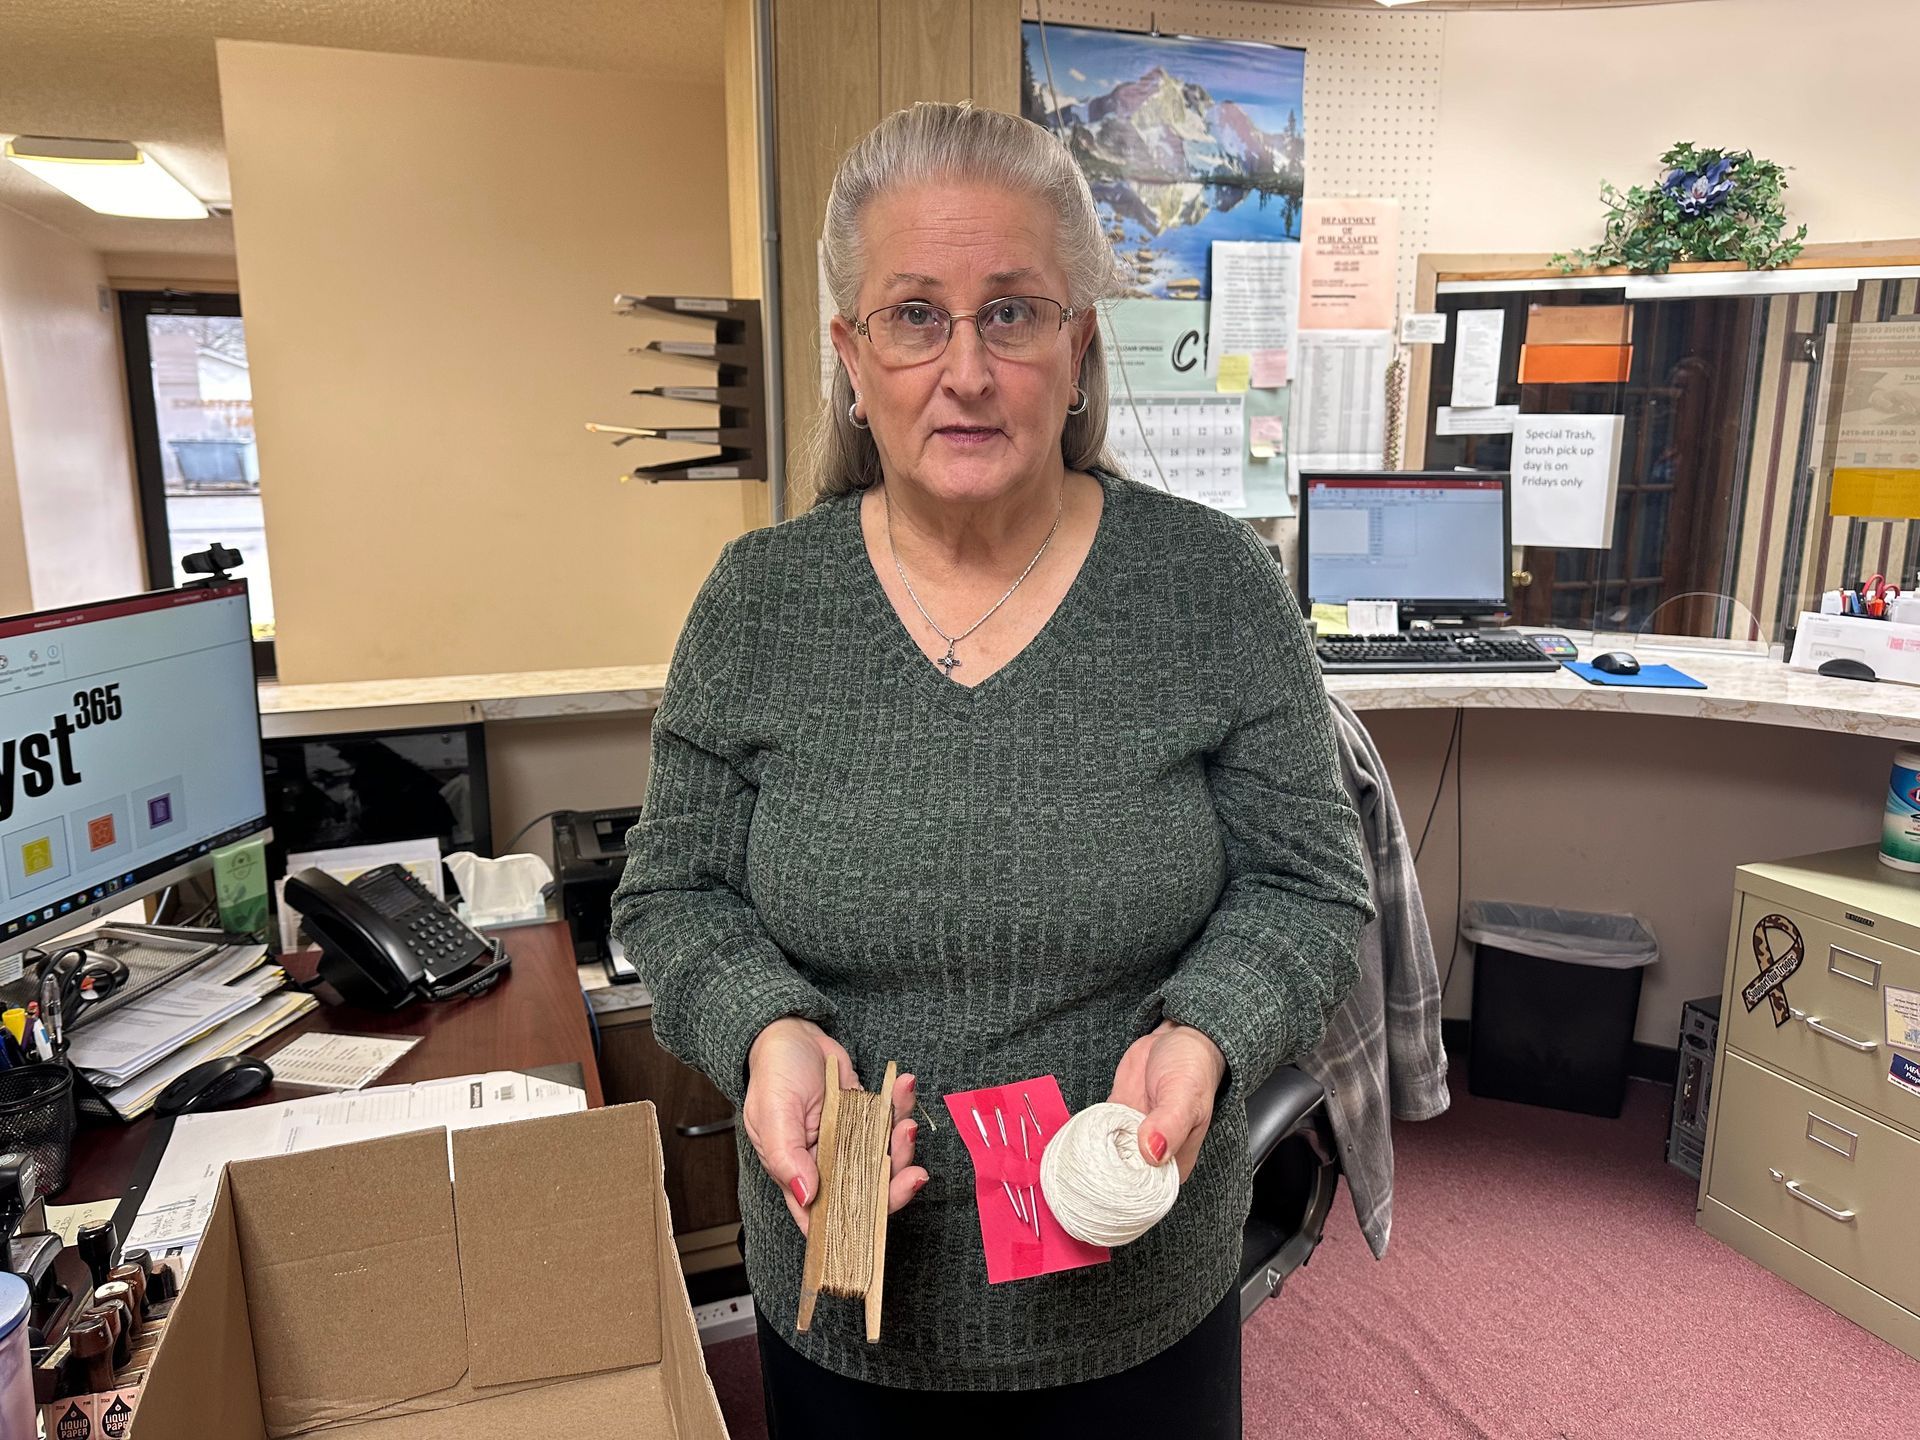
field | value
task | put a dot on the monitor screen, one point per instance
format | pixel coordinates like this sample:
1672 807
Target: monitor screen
328 791
1426 540
129 749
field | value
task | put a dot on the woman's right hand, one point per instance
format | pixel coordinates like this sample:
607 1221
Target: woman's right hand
786 1091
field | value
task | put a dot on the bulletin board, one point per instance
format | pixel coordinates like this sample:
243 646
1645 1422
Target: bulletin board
1371 101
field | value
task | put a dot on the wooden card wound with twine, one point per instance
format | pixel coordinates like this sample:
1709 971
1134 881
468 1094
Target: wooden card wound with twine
847 1232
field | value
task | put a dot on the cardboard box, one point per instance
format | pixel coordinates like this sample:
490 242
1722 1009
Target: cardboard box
362 1292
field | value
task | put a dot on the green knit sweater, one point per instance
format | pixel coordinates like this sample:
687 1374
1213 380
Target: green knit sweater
1139 816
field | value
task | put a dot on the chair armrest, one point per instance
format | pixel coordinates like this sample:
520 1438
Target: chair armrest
1280 1107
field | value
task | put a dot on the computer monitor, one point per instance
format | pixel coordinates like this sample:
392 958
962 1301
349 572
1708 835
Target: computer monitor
371 787
129 750
1434 541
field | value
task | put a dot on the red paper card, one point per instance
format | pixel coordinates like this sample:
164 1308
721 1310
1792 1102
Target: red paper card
1017 1230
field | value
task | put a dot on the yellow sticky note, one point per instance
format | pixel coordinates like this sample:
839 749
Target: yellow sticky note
1330 619
1235 371
1875 494
1260 451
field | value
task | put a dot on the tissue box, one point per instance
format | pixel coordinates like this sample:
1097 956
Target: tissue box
1892 651
358 1291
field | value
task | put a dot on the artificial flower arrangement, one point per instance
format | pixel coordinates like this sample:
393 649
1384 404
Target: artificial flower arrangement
1715 205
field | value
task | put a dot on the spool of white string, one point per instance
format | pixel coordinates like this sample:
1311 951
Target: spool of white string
1097 1183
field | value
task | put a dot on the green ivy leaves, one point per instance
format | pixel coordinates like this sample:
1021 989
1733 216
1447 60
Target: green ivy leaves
1740 218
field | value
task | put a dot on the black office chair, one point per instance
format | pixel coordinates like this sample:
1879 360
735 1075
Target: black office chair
1295 1170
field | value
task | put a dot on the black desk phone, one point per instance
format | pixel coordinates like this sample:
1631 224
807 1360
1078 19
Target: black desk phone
385 940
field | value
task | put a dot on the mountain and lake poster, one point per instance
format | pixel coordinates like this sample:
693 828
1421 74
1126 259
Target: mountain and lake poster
1183 142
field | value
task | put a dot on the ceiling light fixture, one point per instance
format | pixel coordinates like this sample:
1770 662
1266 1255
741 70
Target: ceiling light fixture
112 177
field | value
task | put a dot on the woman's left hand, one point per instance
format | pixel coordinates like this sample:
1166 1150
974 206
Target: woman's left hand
1171 1075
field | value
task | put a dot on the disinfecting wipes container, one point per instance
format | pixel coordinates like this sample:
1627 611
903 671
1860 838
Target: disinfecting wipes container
1900 832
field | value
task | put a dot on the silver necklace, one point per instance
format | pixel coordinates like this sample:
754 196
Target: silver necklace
947 661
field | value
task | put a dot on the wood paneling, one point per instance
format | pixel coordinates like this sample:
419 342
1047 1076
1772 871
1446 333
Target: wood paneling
925 52
996 55
746 223
827 95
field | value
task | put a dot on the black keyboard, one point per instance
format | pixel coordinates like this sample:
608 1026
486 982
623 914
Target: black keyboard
1427 650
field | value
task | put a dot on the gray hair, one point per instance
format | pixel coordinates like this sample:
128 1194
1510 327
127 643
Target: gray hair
957 142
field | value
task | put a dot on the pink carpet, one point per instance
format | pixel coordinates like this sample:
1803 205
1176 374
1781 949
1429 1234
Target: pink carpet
1545 1280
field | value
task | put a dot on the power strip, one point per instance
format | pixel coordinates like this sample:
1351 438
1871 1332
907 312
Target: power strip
725 1320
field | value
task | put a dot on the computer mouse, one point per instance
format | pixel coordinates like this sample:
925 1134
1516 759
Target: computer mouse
1616 662
213 1084
1842 667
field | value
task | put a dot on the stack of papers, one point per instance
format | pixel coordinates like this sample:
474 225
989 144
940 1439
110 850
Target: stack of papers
118 1046
135 1051
181 1196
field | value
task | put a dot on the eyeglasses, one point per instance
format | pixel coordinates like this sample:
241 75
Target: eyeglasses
914 332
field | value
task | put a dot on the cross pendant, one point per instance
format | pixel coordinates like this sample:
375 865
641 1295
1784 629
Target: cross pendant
947 662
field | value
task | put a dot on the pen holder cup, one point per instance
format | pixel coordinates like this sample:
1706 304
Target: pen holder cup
36 1120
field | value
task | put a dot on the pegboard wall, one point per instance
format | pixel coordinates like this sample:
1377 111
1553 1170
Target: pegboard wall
1372 91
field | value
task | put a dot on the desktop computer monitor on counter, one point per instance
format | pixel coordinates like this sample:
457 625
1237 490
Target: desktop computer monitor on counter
1435 542
129 752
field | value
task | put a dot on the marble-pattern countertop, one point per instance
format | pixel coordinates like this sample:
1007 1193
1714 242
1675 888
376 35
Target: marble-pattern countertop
521 695
1742 687
1753 688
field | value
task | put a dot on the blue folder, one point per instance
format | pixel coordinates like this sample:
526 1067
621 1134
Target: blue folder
1652 677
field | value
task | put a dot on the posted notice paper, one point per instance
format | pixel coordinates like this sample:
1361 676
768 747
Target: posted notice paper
1476 357
1255 297
1349 264
1340 401
1566 472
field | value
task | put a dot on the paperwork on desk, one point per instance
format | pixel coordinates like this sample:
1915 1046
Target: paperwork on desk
134 1051
338 1062
121 1044
181 1196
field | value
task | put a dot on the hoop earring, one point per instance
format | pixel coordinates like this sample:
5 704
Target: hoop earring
1079 407
853 415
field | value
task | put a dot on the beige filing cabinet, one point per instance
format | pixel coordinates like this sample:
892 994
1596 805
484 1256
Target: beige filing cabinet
1812 1165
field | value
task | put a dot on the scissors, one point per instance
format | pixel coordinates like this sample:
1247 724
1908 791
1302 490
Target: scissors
72 976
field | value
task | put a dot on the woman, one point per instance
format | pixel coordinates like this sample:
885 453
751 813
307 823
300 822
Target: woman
998 765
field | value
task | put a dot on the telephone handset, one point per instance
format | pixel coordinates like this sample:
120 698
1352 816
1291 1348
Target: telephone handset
386 940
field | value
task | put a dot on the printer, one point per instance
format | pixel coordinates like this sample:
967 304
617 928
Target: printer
589 856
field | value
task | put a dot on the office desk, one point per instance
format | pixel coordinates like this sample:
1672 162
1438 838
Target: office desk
532 1017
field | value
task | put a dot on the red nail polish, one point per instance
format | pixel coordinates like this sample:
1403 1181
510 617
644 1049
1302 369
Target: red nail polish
912 1081
799 1191
1157 1147
920 1184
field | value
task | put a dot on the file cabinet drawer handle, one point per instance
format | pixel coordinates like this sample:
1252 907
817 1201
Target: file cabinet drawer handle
1865 1047
1871 981
1793 1189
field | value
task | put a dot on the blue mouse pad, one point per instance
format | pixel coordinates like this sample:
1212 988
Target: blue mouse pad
1652 677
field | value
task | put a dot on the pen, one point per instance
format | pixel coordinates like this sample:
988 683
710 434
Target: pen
51 1010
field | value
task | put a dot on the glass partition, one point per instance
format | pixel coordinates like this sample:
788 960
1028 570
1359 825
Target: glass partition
1727 522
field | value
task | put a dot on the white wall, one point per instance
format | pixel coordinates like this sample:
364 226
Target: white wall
428 254
1538 107
65 425
1638 814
